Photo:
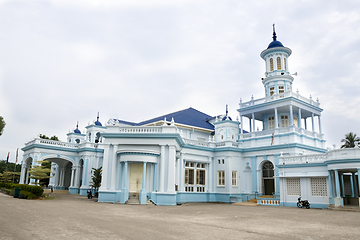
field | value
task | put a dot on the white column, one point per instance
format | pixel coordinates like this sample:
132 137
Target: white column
162 169
181 173
208 175
22 175
171 170
77 176
319 124
105 169
299 117
276 119
291 116
253 122
113 168
241 124
72 177
312 122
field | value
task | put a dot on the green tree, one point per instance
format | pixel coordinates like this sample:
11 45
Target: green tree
2 125
350 140
96 179
39 172
43 136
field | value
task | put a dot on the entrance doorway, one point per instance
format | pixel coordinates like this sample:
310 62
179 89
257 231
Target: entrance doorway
268 178
135 183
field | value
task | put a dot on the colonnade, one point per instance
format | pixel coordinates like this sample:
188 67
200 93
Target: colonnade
337 186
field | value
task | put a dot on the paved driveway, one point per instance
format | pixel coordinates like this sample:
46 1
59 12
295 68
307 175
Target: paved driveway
76 217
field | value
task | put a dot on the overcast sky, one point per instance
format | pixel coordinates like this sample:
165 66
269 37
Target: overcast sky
64 61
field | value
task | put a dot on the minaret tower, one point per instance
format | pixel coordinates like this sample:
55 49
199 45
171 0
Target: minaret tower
277 76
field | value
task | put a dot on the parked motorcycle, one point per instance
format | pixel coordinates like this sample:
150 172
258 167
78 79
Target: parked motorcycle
89 194
303 203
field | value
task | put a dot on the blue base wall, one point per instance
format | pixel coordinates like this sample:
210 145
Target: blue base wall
163 199
73 190
312 205
108 196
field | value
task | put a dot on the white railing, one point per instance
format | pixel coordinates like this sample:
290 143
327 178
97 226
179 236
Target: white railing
279 96
62 144
140 129
197 143
269 202
282 130
301 159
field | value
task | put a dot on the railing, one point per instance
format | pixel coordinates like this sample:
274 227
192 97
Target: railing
253 193
62 144
196 142
301 159
279 96
271 202
282 130
140 129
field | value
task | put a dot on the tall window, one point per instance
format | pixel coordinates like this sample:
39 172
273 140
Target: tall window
272 91
194 171
234 178
284 121
285 64
278 63
221 178
296 122
271 122
281 89
271 64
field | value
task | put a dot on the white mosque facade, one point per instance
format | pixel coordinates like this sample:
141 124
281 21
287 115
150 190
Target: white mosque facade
189 156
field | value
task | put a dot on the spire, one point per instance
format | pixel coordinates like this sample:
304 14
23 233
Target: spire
77 125
77 128
97 117
97 121
274 33
226 109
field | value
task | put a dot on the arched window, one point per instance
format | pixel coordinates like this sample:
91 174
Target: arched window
268 178
278 63
285 64
271 64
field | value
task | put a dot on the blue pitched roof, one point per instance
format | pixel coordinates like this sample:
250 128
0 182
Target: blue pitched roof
189 116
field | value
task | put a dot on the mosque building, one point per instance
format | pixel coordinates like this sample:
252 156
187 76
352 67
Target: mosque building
189 156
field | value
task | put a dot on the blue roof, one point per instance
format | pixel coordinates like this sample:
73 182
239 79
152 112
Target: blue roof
77 131
189 116
97 123
275 44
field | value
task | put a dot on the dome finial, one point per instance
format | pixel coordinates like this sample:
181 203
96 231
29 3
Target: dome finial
226 109
77 128
274 33
97 117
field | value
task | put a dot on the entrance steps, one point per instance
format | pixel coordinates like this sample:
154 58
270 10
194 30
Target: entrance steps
251 202
134 199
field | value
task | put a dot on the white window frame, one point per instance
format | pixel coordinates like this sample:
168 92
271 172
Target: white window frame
234 178
221 178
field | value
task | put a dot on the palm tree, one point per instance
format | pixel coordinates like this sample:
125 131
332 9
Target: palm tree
350 140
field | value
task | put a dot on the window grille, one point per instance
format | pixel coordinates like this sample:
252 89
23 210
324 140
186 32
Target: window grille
293 186
318 186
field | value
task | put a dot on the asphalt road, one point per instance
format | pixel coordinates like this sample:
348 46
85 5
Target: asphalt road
76 217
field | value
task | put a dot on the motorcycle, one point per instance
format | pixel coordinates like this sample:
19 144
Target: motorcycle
303 203
89 194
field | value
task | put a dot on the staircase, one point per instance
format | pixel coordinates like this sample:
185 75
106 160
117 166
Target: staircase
134 199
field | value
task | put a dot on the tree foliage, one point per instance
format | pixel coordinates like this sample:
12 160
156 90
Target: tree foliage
43 136
2 125
39 172
96 179
350 140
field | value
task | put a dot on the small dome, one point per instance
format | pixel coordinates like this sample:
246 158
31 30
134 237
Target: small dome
77 131
226 118
97 123
274 44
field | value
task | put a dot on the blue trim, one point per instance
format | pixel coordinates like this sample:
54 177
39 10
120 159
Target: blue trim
94 125
329 162
226 121
164 199
73 190
107 196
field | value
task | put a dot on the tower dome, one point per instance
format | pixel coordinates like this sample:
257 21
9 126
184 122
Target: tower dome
226 116
77 128
275 43
98 123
